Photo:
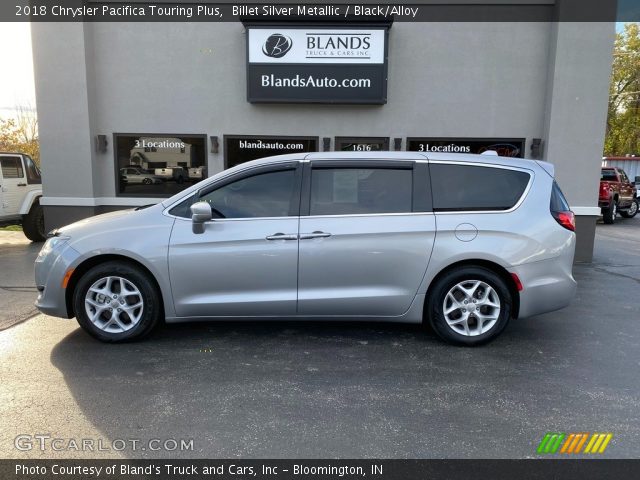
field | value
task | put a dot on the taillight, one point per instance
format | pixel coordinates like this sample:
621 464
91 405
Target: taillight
566 219
604 189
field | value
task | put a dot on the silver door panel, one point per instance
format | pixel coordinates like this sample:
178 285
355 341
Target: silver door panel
232 269
370 265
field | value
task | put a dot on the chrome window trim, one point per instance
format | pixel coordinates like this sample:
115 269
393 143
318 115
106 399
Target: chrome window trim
349 215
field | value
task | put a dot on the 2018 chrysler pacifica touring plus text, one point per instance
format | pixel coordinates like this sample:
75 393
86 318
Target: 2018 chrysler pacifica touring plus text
463 242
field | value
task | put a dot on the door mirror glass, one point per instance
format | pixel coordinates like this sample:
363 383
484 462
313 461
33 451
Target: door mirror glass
200 213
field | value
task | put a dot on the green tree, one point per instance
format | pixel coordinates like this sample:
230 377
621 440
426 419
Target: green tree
623 120
20 134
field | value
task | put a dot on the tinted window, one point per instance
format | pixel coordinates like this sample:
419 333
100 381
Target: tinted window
609 175
623 176
344 191
464 187
264 195
33 172
11 167
558 201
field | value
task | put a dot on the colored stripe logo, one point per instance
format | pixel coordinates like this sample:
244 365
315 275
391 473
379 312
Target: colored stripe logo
554 442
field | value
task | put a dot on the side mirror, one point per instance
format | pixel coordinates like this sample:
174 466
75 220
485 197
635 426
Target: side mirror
200 213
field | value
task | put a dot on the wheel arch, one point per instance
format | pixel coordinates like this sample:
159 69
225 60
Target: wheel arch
94 261
489 265
29 200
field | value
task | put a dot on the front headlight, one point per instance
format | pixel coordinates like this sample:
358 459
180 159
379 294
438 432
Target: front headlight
51 244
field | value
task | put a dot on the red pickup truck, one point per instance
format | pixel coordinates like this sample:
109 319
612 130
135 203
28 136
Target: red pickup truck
617 194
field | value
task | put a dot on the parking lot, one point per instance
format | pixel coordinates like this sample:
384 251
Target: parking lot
318 390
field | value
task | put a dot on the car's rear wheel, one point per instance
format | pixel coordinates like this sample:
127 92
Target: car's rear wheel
469 306
609 215
33 224
116 302
631 211
146 181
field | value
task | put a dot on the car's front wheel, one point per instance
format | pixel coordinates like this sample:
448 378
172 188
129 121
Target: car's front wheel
116 302
469 306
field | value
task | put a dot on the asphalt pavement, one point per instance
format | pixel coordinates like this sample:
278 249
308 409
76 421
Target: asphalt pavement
17 287
345 390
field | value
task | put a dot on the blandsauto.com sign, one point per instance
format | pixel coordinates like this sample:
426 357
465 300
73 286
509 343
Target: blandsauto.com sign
317 65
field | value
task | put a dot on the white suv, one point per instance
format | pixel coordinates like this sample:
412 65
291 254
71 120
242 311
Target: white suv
20 192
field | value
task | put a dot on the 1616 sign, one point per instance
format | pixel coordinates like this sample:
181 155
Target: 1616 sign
317 65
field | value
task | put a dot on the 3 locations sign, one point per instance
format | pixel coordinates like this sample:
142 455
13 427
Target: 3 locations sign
317 65
505 147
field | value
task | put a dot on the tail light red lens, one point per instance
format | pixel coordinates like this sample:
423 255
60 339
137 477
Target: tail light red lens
517 282
566 219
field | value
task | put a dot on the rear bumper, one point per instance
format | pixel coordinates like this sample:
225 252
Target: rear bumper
547 286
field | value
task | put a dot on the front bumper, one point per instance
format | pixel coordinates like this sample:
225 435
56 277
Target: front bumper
50 271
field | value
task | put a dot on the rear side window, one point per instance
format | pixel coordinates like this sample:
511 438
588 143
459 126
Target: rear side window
11 167
349 191
609 176
33 172
475 188
558 201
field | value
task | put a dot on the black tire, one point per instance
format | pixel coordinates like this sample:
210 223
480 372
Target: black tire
609 214
632 211
442 286
150 315
146 181
33 224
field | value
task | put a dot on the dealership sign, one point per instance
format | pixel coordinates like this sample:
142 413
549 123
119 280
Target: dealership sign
505 147
317 65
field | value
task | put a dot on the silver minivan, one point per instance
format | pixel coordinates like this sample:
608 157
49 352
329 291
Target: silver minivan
461 242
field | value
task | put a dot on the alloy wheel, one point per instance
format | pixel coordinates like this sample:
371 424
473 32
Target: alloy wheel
471 307
114 304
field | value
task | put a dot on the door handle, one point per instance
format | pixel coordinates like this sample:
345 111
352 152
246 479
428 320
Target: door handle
282 236
22 185
316 234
